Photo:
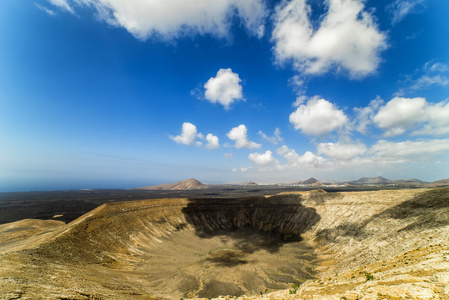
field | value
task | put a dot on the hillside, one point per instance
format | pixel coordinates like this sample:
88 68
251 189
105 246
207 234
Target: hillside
371 180
410 182
308 181
439 183
189 184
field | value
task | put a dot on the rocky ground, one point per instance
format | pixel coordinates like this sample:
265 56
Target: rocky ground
355 245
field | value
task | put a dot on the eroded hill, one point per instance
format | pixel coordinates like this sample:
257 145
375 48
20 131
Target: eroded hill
349 245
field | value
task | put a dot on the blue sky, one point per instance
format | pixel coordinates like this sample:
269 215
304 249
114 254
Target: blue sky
122 94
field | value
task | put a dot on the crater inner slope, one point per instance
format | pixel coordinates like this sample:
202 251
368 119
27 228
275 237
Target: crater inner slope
182 247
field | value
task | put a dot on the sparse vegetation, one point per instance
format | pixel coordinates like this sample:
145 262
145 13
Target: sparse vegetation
369 276
294 289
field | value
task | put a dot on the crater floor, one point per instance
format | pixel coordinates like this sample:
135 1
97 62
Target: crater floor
349 245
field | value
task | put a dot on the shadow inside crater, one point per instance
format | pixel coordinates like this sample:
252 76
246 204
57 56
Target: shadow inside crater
258 243
252 223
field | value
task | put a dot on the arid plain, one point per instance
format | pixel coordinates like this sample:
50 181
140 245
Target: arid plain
287 244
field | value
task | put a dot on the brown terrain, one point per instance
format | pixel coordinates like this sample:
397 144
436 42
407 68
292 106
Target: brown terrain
385 244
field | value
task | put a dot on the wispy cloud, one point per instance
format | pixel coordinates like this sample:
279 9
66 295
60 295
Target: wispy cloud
399 9
364 115
62 4
432 73
45 9
275 139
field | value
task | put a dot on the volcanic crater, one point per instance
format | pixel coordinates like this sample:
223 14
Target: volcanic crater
326 243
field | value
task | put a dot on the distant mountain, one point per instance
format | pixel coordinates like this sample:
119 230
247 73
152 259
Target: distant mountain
443 182
308 181
371 180
412 182
249 183
189 184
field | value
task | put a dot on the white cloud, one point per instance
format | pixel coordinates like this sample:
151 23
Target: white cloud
426 81
407 150
318 117
224 88
275 139
364 115
263 160
347 38
400 114
295 161
45 9
170 19
434 74
212 142
401 8
228 155
243 169
62 4
437 120
188 135
341 151
240 136
299 100
385 153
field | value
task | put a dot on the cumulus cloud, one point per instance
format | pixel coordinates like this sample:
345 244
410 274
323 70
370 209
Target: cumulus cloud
188 135
400 114
240 136
224 88
410 149
173 18
263 160
399 9
347 38
296 161
212 142
275 139
318 117
383 152
341 151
